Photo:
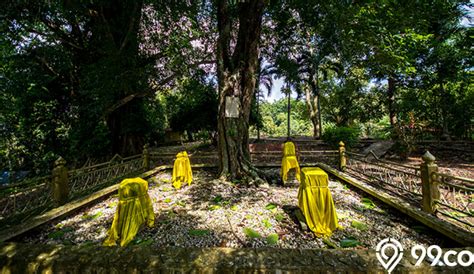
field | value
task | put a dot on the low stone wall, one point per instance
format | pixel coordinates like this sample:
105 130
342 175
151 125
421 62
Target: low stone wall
25 258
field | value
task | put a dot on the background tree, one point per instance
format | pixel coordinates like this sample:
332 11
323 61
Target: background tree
192 107
91 70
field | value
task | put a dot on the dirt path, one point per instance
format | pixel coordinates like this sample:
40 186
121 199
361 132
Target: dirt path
212 213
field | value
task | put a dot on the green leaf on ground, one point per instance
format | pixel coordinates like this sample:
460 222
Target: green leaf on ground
359 225
329 243
217 199
279 217
56 234
68 242
181 203
266 223
349 242
167 200
166 189
214 207
248 217
143 242
270 206
234 208
379 210
91 217
68 229
251 233
199 232
112 204
342 216
272 239
367 203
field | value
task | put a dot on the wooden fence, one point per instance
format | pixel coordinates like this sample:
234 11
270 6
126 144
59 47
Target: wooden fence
22 200
445 196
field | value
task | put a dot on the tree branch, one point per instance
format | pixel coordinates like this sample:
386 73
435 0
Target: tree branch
149 92
131 25
61 35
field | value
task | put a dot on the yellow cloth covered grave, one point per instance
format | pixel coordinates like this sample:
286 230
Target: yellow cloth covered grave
289 161
316 203
182 170
134 209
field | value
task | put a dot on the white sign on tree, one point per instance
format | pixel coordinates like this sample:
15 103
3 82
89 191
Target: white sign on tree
232 107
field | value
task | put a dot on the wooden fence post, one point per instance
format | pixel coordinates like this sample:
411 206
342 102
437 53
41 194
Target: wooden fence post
342 156
146 157
60 182
429 185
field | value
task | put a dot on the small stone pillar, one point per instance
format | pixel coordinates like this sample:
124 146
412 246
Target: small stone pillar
429 185
342 156
60 182
146 157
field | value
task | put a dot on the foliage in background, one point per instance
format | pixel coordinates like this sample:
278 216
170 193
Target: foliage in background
333 135
274 118
192 106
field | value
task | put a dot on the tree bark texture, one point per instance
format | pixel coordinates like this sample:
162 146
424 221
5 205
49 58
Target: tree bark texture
314 107
237 72
392 113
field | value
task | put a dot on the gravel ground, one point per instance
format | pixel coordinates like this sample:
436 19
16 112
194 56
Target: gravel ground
214 213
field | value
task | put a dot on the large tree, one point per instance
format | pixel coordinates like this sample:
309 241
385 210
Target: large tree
237 68
95 67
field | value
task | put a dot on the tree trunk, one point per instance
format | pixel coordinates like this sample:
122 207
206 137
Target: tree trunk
391 102
288 115
312 101
236 76
258 112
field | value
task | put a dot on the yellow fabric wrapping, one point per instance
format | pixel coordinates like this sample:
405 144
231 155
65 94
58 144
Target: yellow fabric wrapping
289 161
133 209
316 203
182 170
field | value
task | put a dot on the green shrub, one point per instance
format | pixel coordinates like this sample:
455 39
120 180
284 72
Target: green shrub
333 135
